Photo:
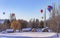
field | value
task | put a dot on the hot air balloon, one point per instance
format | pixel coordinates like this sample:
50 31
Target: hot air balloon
13 14
41 11
42 17
3 13
50 8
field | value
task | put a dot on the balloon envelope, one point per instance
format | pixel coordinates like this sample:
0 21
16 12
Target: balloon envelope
3 12
42 17
41 11
13 14
50 8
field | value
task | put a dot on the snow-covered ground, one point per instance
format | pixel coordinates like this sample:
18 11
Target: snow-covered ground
29 35
38 34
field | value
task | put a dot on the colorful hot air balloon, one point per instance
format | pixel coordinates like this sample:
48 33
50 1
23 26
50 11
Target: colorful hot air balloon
41 11
42 17
3 12
13 14
50 8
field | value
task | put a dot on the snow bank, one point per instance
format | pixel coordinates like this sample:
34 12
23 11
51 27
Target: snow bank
31 34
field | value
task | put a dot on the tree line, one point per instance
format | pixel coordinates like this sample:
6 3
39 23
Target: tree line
19 24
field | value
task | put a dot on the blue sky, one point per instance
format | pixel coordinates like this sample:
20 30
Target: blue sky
25 9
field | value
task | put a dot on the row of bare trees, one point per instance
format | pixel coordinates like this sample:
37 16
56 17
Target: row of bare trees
35 23
54 23
19 24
